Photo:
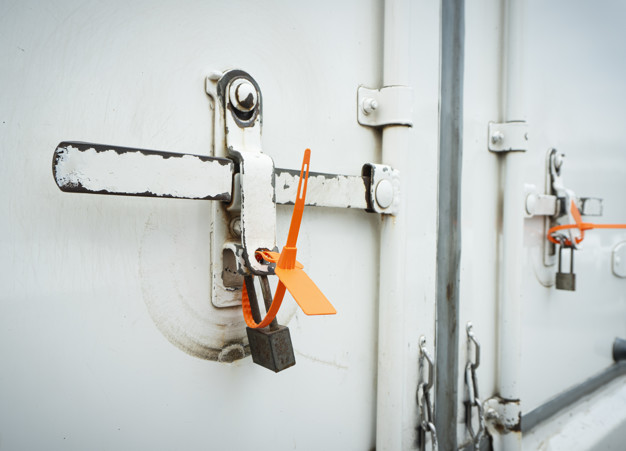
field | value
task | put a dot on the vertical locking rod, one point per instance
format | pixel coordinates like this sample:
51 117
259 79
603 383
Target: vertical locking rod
393 423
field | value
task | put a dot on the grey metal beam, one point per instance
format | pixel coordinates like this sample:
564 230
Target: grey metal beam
449 221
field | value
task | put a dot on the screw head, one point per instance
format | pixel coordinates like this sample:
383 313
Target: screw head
243 95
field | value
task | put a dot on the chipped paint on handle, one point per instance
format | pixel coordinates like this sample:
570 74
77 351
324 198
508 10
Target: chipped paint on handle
100 169
324 190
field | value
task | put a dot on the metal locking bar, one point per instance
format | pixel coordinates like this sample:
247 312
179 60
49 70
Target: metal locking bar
80 167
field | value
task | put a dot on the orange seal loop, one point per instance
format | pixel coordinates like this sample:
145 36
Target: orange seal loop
580 225
271 313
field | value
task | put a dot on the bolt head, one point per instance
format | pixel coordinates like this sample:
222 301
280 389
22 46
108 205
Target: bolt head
243 95
497 137
369 105
384 193
235 226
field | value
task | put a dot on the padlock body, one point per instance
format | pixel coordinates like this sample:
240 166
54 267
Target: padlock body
566 281
271 349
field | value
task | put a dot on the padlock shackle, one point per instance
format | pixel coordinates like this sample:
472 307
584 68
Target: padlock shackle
271 313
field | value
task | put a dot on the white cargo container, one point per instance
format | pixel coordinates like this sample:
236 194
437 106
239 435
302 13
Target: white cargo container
121 324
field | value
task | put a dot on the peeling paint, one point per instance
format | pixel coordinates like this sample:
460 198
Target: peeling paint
101 169
323 190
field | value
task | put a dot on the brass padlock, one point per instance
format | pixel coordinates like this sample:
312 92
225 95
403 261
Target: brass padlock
270 346
567 280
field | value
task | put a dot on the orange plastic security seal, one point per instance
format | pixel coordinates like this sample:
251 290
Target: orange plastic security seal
580 225
290 272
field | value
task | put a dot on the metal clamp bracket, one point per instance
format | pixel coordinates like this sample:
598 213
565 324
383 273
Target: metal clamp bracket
391 105
508 136
384 188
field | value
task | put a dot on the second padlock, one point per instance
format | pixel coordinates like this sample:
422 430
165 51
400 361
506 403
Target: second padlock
566 280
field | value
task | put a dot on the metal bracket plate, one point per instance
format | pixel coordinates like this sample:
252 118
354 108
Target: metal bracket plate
384 189
391 105
508 136
502 416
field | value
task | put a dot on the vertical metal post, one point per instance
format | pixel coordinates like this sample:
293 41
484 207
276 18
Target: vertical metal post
449 221
392 349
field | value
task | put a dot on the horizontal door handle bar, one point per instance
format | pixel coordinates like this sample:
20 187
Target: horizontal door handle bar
80 167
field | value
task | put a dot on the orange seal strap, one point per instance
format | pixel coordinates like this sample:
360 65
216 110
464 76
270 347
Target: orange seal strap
580 225
290 272
271 314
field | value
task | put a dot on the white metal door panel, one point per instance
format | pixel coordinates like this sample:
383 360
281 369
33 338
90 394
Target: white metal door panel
575 70
83 364
572 91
